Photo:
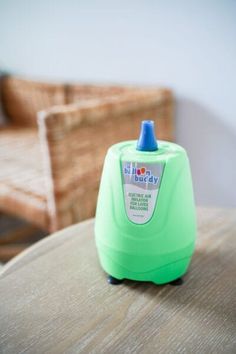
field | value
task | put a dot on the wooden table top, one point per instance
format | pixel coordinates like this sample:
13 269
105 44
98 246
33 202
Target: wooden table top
54 298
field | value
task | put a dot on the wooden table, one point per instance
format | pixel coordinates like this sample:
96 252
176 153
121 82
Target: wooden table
54 298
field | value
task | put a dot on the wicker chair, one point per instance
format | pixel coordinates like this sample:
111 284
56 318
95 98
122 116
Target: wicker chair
53 146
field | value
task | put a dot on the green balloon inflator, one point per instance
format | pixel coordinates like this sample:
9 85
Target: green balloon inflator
145 224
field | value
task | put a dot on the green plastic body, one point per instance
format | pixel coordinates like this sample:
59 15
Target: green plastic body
159 250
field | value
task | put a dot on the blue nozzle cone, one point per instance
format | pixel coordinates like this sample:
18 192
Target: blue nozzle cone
147 140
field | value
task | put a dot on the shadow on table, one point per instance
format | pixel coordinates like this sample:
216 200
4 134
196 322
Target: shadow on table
209 285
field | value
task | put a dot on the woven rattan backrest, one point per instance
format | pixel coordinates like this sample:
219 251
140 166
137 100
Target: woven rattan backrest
76 93
22 99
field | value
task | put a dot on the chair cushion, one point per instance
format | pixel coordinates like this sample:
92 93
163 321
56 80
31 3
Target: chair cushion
22 185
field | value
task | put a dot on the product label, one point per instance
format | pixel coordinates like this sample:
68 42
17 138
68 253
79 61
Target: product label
141 183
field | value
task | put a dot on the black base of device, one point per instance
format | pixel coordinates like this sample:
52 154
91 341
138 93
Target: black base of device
115 281
177 282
